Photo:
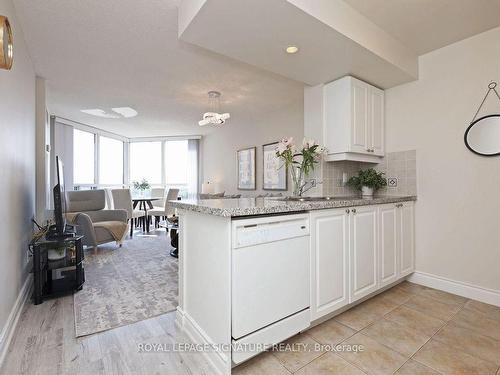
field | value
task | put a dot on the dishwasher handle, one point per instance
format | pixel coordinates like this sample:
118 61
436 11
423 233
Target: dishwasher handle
255 233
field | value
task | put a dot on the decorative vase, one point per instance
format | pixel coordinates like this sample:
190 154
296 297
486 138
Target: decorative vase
366 192
297 175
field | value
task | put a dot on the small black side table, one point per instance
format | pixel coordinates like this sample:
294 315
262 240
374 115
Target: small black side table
72 280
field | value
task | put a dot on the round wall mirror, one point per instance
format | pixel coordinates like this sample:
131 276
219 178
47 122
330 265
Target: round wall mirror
6 44
483 136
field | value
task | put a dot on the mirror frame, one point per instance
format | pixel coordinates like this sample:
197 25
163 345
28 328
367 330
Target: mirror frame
6 61
467 133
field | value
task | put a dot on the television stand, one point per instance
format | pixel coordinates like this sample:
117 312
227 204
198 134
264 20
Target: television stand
71 267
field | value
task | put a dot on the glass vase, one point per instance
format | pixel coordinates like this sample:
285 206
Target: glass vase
297 177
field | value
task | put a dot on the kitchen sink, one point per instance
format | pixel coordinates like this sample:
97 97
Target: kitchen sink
313 199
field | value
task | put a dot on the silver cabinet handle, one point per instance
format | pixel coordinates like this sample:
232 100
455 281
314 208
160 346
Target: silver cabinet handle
347 211
353 210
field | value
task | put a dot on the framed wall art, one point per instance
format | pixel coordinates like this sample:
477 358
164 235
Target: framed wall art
246 168
274 172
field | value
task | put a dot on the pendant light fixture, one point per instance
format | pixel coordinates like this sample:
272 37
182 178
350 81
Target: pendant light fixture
214 117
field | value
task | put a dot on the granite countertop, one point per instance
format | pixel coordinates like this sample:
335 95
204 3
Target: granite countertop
266 206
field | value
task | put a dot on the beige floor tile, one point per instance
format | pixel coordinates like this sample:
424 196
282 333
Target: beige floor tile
478 322
432 307
397 337
444 297
490 311
415 368
357 318
375 358
330 332
471 342
366 313
396 295
415 320
412 288
303 350
448 360
329 364
264 363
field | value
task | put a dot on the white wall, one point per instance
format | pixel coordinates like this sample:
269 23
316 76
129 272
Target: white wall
218 149
17 170
458 208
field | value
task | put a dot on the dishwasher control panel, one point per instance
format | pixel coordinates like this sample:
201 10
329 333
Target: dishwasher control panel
250 232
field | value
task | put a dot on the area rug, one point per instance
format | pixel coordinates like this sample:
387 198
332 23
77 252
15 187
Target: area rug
128 284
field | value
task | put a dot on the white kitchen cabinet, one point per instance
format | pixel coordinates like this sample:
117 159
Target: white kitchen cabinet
355 251
363 252
389 220
354 124
396 242
329 261
406 238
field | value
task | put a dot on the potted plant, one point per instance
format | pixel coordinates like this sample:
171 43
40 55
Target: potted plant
367 181
142 186
300 163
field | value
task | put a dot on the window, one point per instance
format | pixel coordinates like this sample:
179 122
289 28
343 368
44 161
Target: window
145 162
176 162
110 161
83 157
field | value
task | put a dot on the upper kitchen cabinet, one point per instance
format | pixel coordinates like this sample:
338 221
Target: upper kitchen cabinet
347 115
353 120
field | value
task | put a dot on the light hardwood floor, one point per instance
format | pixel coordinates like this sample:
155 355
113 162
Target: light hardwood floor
44 343
408 329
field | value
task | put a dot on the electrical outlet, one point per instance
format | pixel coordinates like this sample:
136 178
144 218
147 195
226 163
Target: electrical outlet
392 182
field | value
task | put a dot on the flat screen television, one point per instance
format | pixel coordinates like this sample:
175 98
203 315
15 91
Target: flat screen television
59 201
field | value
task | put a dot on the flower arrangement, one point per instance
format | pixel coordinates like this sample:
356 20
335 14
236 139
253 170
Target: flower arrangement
300 162
141 186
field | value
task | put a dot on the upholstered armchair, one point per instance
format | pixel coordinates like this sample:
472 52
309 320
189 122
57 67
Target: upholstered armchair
85 209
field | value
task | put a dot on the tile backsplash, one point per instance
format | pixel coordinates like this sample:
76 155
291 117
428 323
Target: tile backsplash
400 169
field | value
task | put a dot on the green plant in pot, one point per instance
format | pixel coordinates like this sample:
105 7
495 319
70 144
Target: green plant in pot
367 181
142 186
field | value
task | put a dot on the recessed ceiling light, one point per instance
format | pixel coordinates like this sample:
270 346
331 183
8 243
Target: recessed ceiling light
125 111
292 49
119 112
99 113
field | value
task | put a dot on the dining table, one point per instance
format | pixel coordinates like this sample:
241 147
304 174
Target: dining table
144 204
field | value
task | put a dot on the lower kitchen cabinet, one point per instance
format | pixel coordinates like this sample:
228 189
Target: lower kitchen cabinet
406 241
329 261
357 250
363 252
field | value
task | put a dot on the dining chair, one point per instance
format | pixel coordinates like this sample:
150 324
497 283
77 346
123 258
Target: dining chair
167 210
122 199
158 193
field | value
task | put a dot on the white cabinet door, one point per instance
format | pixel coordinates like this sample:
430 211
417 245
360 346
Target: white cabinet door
376 122
359 114
407 238
388 220
329 261
363 252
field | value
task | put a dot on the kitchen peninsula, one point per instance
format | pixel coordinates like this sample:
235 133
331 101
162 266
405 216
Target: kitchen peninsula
255 271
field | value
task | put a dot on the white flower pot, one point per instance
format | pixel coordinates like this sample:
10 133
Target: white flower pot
367 192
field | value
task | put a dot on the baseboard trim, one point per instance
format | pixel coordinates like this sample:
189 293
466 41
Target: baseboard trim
460 288
11 324
220 362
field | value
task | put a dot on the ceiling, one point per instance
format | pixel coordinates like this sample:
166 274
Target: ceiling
426 25
114 53
334 39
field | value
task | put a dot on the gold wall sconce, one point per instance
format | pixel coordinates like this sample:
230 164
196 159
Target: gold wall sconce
6 44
